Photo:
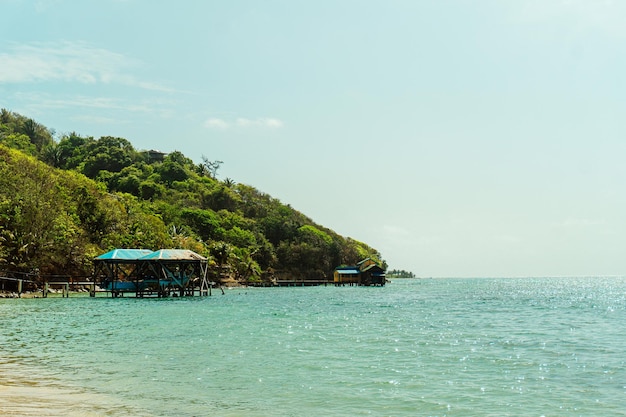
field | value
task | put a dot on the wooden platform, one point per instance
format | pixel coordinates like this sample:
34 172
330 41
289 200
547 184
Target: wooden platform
65 286
303 282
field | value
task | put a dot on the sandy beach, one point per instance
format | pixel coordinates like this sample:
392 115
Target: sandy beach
25 392
28 399
34 400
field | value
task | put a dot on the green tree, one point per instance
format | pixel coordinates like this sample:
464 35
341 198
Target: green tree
149 190
240 237
51 155
39 135
108 154
18 141
220 252
73 150
208 168
246 269
58 219
171 171
205 223
222 198
38 233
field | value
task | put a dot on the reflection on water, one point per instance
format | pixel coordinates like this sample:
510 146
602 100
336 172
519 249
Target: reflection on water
471 347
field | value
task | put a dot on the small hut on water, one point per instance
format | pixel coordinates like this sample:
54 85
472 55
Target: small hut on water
165 272
367 272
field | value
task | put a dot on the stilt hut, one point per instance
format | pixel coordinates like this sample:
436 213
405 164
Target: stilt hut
367 272
167 271
346 275
179 270
373 275
119 270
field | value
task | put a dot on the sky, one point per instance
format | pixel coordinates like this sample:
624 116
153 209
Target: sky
480 138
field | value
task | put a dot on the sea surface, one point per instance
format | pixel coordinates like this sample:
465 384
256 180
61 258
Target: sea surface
435 347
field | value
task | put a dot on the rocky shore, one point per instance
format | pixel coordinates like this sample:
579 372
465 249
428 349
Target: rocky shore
29 294
9 295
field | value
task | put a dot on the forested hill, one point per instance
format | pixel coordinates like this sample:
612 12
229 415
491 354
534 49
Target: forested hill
64 202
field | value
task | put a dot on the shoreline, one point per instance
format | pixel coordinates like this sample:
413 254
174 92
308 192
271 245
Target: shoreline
27 391
33 399
57 293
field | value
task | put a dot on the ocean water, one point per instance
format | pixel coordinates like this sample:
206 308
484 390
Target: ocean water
437 347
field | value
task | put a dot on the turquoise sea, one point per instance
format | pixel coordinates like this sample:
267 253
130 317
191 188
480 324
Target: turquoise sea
436 347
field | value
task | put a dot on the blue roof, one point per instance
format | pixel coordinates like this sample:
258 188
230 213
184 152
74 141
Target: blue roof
124 254
173 255
347 271
148 255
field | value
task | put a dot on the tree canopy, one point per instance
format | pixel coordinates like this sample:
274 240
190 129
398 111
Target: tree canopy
64 202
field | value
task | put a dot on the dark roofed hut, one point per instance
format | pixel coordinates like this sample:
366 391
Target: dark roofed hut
367 272
373 275
144 272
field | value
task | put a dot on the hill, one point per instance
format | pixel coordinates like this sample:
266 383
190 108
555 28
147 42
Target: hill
64 202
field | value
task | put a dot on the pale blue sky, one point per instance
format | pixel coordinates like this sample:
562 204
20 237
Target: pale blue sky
460 138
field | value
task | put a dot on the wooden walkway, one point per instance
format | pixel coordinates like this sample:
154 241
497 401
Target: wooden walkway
17 283
314 283
308 283
65 287
303 282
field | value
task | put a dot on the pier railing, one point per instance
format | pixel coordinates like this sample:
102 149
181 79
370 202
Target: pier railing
19 282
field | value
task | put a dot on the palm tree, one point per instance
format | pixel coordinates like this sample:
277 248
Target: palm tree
52 155
220 252
246 268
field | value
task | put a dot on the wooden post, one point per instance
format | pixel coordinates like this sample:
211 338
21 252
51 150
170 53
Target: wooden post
45 290
66 290
19 287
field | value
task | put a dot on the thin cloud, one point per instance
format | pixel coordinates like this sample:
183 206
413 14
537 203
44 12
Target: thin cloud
214 123
582 222
269 123
603 16
98 110
244 123
45 101
100 120
69 62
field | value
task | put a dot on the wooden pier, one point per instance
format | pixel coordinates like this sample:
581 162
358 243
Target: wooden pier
18 283
317 282
303 282
65 287
17 287
14 283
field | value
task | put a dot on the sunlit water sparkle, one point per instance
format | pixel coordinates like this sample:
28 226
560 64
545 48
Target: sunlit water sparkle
441 347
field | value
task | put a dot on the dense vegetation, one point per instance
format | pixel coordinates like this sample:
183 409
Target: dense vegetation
63 202
400 273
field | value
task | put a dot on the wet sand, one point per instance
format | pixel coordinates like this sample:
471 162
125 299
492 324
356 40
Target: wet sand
24 397
34 400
